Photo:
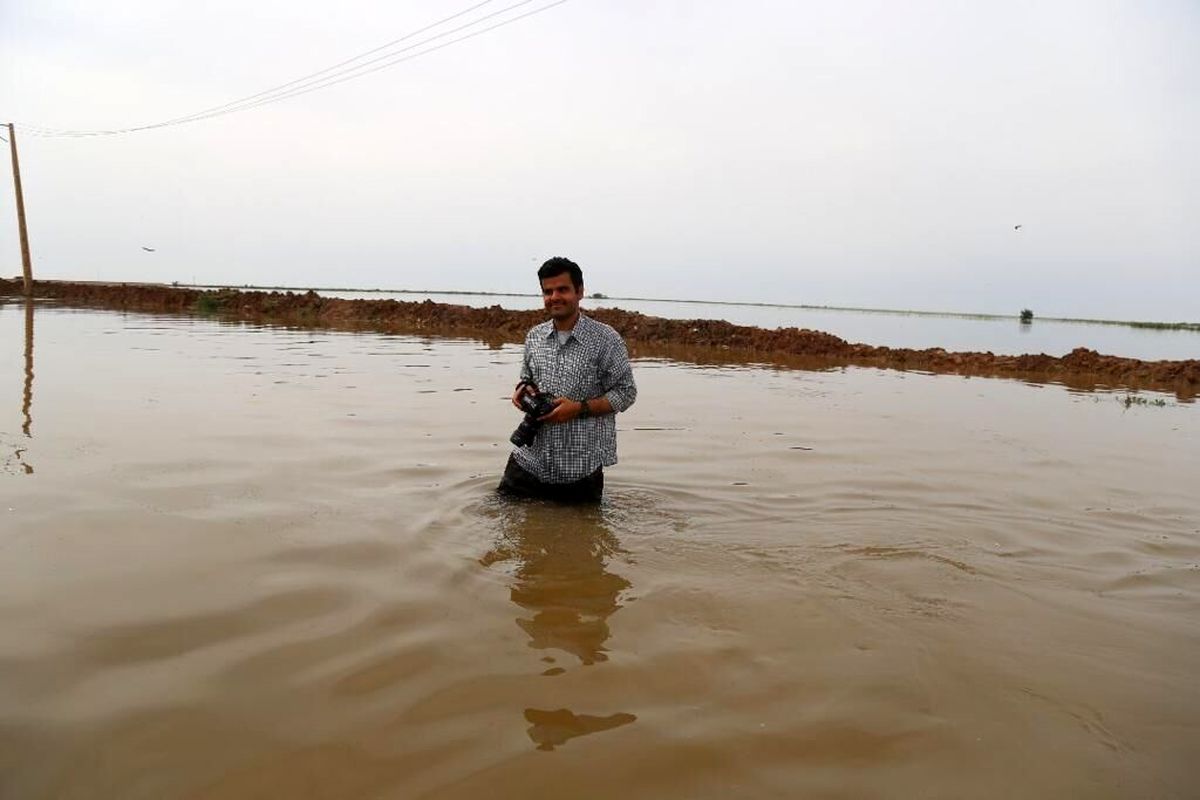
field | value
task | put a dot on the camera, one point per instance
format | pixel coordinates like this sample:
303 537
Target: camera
535 405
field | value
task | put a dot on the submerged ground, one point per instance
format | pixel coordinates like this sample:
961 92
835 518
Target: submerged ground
251 561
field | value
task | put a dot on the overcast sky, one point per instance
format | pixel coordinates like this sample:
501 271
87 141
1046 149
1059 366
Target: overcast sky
846 153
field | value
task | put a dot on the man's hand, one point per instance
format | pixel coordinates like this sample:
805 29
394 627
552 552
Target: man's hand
565 410
516 396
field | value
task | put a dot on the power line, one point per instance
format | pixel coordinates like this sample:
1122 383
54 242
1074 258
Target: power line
274 95
347 61
341 72
363 69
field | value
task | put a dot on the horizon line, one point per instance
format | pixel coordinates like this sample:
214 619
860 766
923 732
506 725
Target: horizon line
1146 324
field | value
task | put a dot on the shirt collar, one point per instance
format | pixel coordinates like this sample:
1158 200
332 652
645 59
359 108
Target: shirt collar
583 326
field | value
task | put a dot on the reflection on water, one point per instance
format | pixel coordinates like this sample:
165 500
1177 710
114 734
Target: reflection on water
561 576
560 557
27 398
20 450
553 728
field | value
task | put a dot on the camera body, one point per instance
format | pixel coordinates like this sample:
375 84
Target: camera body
535 405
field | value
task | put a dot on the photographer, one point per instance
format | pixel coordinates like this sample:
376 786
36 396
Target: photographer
583 364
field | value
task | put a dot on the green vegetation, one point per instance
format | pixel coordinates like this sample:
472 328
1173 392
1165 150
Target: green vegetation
1026 316
1136 400
208 304
1164 326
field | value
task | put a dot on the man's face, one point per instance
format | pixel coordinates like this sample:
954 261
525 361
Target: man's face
560 297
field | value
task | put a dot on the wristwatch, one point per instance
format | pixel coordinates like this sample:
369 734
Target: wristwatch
584 411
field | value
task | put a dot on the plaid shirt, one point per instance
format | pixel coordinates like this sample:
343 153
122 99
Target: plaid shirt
592 362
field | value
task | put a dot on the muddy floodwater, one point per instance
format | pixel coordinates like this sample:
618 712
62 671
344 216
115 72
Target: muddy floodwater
250 562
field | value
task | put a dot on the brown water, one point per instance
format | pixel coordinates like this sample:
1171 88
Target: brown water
244 562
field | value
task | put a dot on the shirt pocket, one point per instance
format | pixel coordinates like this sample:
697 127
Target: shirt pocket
583 375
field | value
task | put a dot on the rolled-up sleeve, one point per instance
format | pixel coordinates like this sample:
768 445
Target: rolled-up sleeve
616 376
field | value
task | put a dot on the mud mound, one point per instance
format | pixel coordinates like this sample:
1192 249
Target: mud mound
700 341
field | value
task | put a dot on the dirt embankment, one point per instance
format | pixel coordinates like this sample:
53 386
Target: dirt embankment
702 341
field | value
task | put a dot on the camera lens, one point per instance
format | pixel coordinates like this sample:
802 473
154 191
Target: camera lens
526 432
537 405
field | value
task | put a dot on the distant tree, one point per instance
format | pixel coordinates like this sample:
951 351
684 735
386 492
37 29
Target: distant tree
599 295
1026 316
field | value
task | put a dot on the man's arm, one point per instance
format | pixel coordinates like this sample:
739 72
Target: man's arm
526 378
615 373
566 409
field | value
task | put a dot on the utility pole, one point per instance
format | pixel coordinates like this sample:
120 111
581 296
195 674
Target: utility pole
26 263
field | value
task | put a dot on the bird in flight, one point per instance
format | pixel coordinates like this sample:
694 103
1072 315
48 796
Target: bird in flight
1017 227
148 249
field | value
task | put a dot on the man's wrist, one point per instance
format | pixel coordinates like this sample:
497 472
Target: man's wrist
584 410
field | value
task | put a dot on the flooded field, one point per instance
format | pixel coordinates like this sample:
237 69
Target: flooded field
255 562
891 329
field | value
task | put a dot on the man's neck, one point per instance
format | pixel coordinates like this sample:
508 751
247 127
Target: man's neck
566 324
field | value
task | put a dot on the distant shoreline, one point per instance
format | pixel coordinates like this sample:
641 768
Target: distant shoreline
1144 324
692 340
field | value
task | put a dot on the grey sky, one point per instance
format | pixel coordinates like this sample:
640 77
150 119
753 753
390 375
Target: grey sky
852 153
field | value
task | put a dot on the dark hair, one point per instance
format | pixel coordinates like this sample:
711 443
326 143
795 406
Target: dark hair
557 266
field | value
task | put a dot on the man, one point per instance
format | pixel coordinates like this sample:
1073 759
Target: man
584 363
